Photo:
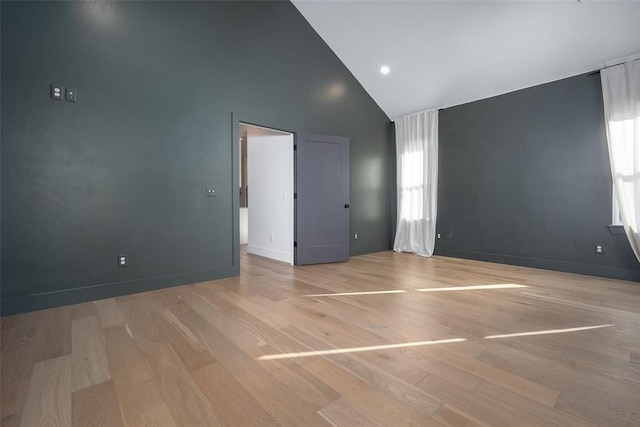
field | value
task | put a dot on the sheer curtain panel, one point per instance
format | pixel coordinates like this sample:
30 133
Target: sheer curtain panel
417 181
621 95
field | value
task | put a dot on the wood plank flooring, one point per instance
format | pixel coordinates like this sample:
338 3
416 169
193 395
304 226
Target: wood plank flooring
385 339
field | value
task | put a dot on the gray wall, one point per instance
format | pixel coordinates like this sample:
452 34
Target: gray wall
524 179
161 87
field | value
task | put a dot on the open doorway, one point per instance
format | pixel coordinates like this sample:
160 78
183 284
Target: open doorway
266 184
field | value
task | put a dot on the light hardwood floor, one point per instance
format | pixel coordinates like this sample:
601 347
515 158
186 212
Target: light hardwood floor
366 342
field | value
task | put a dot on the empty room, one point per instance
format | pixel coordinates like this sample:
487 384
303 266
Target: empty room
320 213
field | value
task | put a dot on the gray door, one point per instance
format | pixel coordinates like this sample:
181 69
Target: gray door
322 199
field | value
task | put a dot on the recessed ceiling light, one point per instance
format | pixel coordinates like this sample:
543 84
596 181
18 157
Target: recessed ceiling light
384 69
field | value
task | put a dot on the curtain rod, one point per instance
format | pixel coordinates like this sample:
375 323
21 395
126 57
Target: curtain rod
609 66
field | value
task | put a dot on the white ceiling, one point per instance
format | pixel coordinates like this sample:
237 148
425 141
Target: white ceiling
445 53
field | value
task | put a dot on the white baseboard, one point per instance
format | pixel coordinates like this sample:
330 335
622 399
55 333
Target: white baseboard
270 253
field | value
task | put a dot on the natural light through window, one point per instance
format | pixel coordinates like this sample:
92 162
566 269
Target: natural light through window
626 157
621 100
357 349
412 169
473 288
549 331
343 294
616 217
333 351
402 291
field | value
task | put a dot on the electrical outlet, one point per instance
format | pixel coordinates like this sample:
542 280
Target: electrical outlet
271 237
122 260
599 249
438 235
210 192
57 92
355 236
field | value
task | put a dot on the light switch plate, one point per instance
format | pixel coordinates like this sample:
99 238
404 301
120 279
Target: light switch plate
71 95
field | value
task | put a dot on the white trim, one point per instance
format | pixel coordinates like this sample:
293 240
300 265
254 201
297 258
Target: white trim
269 253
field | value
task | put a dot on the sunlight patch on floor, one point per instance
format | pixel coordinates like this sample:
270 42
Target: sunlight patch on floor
401 291
357 349
549 331
342 294
473 288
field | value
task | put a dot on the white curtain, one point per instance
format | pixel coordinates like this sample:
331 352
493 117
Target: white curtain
621 94
417 181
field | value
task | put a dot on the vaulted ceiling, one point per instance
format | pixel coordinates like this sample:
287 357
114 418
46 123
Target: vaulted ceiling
445 53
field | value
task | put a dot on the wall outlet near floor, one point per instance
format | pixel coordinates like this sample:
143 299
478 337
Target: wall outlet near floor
599 249
122 260
355 236
438 235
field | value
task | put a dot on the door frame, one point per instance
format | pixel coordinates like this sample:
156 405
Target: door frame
236 121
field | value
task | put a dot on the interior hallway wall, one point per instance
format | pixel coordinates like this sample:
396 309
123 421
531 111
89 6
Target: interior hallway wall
270 178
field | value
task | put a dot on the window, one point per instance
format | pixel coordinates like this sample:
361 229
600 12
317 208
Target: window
616 217
412 186
621 131
621 99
